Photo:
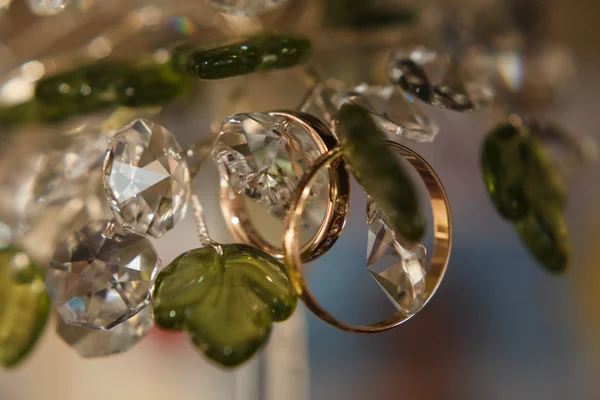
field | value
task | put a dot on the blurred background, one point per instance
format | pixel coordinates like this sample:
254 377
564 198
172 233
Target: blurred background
500 326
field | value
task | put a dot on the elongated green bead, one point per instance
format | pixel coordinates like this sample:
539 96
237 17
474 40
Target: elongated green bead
227 303
546 235
89 88
545 183
380 173
258 53
24 306
505 167
152 85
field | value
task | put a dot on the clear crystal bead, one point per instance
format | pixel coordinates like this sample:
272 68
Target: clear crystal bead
65 193
263 156
325 100
99 343
101 275
439 79
146 178
393 112
245 7
46 8
396 265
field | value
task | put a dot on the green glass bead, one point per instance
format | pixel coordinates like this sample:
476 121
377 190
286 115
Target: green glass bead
504 165
24 306
152 85
380 173
546 235
226 302
545 183
258 53
19 114
86 89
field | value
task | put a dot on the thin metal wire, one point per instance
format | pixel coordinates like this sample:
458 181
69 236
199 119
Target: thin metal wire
201 229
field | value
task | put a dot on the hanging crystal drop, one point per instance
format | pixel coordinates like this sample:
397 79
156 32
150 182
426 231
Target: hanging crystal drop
101 275
263 156
325 100
439 79
146 178
46 8
245 7
96 343
393 112
396 265
24 306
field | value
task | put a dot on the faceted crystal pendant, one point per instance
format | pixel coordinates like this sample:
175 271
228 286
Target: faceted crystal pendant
101 275
263 156
146 178
325 100
439 79
397 265
46 8
245 7
96 343
393 112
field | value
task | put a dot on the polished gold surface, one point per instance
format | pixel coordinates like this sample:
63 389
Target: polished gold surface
442 237
243 229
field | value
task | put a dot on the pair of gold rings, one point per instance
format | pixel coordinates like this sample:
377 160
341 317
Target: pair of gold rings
295 256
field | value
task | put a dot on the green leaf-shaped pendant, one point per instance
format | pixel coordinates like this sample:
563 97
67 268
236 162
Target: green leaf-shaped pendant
263 52
24 306
227 302
379 172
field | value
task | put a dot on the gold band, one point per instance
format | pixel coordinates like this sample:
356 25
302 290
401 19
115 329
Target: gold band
442 238
243 230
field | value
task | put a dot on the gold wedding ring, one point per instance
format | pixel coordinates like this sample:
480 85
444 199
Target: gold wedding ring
243 229
441 246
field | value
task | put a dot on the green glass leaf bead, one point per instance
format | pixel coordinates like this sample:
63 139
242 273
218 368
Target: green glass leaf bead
226 302
152 85
546 235
505 168
380 173
24 306
86 89
258 53
545 183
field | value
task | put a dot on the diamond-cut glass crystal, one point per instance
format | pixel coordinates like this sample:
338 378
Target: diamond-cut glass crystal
245 7
439 79
146 178
325 100
263 156
101 275
396 265
96 343
393 112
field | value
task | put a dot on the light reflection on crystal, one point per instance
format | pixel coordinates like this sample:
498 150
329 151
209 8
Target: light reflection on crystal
245 7
98 343
146 178
101 275
46 8
396 265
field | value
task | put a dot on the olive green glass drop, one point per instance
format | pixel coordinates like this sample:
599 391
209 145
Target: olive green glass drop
546 235
380 173
24 306
226 302
544 181
505 170
258 53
